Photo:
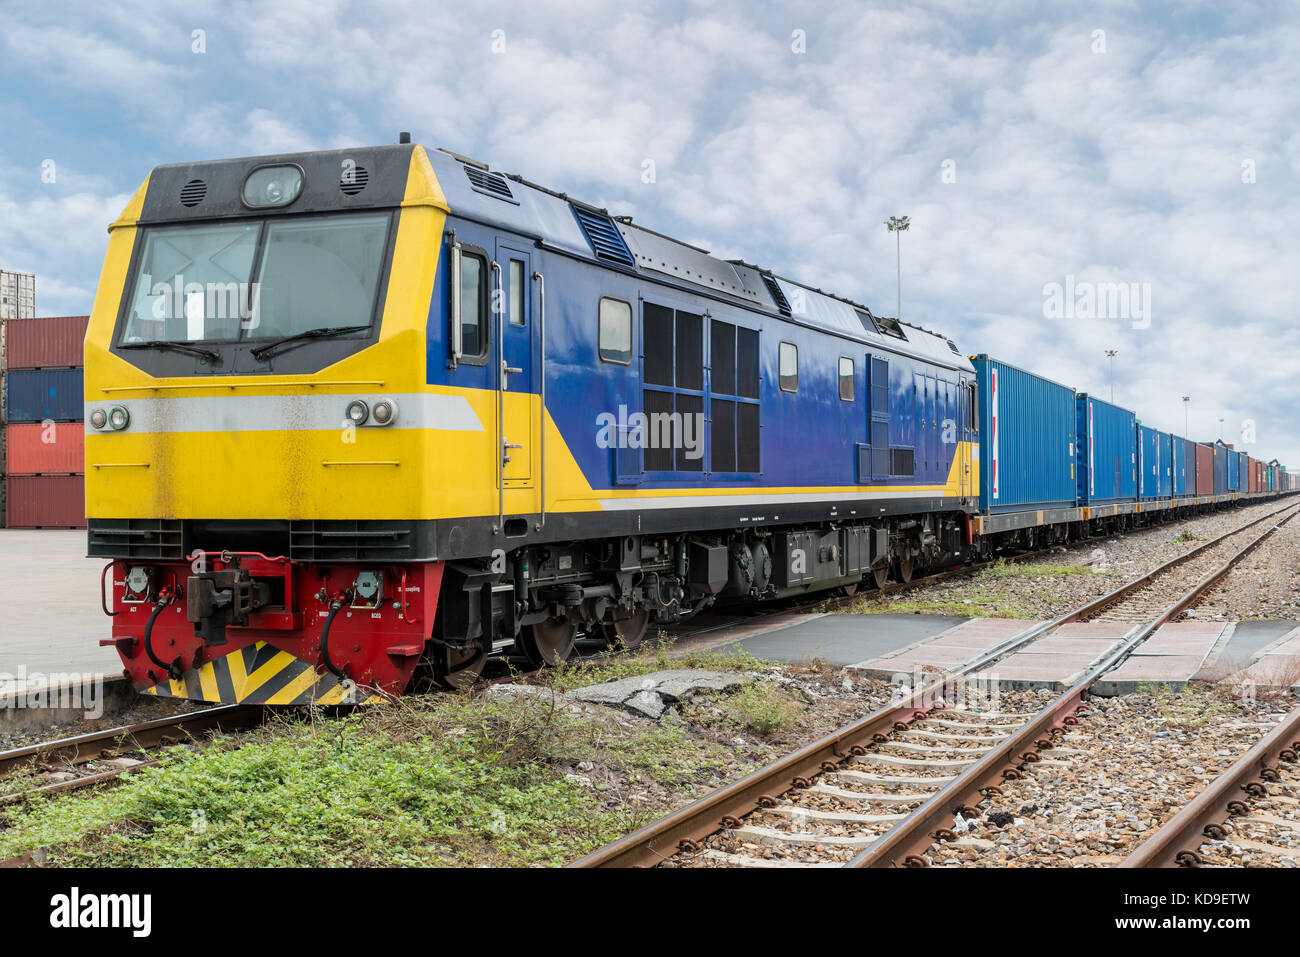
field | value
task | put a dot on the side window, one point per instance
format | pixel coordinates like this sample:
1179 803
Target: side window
517 281
788 367
473 305
973 405
846 378
615 331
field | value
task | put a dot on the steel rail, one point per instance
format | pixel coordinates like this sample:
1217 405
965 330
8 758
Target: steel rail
84 748
906 844
686 827
1175 843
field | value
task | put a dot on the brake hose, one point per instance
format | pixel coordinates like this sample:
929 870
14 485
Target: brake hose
335 607
171 670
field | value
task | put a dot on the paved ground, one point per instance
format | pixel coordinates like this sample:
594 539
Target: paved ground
1267 652
50 619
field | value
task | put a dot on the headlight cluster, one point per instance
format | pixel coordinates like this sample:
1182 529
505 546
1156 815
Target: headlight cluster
383 413
272 186
114 418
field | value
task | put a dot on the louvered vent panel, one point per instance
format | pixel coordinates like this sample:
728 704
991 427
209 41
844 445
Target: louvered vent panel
493 183
781 302
605 239
193 192
354 180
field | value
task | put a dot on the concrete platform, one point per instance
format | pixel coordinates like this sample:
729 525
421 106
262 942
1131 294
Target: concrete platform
838 639
1058 661
954 645
50 619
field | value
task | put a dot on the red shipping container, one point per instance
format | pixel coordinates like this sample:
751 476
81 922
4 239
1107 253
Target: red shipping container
1204 469
55 342
35 449
45 501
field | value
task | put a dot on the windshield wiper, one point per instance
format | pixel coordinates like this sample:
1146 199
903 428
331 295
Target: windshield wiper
262 353
208 354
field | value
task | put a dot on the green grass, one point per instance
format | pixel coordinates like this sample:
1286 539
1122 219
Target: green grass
1192 706
428 780
1188 536
993 606
1004 569
758 710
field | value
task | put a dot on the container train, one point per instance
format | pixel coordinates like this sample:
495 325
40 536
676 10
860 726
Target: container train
452 414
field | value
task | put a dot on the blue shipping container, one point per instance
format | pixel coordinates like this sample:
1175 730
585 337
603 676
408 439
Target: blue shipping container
1106 451
1166 472
1234 471
1183 460
1153 464
33 395
1026 439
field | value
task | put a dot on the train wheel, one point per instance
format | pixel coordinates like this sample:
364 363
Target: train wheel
548 642
851 589
880 575
903 569
630 632
457 670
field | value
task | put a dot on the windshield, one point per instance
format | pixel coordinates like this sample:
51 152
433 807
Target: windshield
256 280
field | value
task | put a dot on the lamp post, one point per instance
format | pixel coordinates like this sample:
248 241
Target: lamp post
1112 353
1186 404
896 225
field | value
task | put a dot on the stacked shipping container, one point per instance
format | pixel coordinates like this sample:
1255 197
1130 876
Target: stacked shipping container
44 439
1029 422
1184 466
1154 468
1204 469
17 295
1106 451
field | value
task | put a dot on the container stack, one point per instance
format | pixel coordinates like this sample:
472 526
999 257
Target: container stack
43 435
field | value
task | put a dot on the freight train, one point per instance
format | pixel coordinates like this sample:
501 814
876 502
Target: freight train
358 416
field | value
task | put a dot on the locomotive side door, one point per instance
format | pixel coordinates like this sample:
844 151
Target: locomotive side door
512 314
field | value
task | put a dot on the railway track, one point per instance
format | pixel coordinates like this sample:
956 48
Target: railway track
914 773
115 744
1251 810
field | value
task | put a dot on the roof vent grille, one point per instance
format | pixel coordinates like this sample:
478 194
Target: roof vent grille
354 180
781 302
605 239
494 184
891 327
193 192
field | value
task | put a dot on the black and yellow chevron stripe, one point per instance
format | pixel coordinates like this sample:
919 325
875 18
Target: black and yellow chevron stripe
261 674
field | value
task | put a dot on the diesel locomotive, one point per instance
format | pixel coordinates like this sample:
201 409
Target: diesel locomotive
357 414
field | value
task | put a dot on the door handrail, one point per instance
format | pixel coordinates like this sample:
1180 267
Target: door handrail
541 287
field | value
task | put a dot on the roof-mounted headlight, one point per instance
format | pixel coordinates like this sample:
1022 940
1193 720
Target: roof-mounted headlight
272 186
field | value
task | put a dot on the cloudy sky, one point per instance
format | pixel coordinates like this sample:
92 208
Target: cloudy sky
1150 144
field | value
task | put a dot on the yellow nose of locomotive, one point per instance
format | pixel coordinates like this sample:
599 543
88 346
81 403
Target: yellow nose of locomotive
196 424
